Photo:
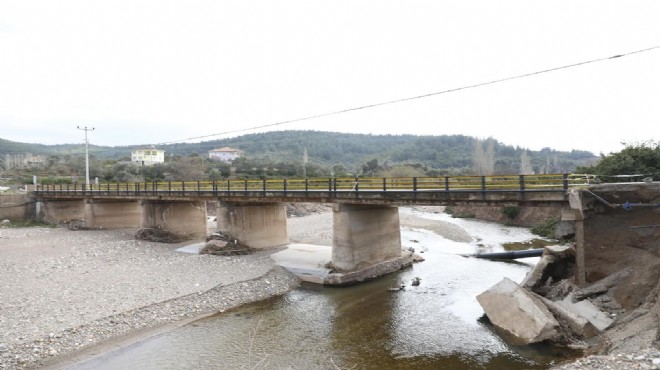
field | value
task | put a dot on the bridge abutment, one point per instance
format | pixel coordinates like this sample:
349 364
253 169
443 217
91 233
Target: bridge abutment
364 235
185 217
257 225
618 227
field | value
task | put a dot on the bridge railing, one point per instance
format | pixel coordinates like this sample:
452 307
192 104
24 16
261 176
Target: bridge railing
498 183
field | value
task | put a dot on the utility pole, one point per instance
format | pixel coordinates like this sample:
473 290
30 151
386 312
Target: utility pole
86 154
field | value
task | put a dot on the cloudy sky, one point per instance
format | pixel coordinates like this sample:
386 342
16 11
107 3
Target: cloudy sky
154 71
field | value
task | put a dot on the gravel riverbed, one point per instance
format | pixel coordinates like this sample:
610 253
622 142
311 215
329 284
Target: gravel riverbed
63 291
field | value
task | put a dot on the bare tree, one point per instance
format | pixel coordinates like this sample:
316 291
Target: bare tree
484 160
525 164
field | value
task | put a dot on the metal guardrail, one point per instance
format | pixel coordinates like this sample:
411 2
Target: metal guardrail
476 184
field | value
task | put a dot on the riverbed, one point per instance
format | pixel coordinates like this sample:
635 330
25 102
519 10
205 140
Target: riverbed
437 324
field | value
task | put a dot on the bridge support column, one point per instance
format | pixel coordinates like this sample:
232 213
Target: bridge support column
112 214
58 211
257 225
364 236
179 217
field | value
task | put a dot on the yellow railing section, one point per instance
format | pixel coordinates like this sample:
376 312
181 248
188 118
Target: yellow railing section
550 182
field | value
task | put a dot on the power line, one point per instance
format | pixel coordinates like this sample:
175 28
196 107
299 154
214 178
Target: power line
417 96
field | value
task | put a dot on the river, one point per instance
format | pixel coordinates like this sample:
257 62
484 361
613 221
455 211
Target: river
436 325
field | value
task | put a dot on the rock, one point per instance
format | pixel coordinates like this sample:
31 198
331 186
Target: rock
518 313
5 222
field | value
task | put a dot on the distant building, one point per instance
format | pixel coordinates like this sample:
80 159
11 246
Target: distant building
147 157
225 154
23 160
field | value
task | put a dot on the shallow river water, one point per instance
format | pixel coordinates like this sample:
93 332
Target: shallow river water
435 325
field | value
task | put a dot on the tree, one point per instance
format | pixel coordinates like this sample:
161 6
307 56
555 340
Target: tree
525 164
484 160
635 159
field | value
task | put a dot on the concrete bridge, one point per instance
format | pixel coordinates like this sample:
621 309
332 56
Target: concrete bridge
366 232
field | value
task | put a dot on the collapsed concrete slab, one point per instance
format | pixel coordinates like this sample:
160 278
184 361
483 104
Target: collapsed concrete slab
587 310
578 326
518 313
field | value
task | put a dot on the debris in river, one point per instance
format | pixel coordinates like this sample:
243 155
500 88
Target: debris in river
156 234
221 244
416 281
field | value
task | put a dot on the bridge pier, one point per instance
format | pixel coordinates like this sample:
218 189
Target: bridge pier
112 214
364 235
185 217
257 225
60 211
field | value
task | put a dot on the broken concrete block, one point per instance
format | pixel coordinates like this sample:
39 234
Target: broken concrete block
587 310
518 313
534 276
577 324
601 286
560 251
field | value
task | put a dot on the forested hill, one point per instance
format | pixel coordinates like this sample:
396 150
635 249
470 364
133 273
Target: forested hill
444 153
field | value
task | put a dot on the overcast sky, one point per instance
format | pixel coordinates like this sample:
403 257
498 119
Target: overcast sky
148 72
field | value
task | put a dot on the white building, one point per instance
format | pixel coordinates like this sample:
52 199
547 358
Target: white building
147 157
225 154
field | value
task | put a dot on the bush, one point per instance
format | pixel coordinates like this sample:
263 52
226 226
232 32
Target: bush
546 229
510 212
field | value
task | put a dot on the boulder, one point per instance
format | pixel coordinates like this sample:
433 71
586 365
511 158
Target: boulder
518 313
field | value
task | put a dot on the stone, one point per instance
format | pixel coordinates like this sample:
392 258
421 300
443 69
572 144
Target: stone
518 313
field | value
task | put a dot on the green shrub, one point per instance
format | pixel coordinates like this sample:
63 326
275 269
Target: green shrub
546 229
510 212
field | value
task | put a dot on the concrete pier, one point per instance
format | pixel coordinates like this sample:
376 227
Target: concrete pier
364 235
112 214
185 217
257 225
59 211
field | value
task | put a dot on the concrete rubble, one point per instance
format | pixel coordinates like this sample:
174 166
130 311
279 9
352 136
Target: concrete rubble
585 318
519 313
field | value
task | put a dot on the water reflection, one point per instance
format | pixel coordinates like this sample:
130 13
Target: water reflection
431 326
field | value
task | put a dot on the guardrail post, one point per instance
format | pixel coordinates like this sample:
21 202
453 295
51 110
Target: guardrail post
285 186
356 185
565 181
329 185
384 184
183 188
198 187
245 185
334 185
522 186
414 184
228 186
306 186
447 184
263 185
483 187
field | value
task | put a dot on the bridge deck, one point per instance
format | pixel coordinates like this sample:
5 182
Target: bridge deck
529 189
